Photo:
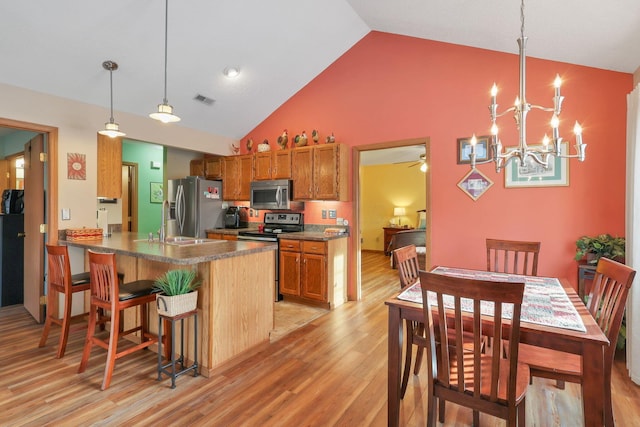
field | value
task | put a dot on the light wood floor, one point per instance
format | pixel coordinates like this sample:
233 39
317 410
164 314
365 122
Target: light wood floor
332 371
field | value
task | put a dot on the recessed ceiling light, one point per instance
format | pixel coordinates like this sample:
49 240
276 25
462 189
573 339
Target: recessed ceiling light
232 72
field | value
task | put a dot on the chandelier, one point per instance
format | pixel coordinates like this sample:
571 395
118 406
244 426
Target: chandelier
539 154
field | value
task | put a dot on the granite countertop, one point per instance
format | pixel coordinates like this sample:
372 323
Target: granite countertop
312 235
137 245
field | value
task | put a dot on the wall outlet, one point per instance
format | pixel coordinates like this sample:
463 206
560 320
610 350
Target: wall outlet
324 214
339 221
332 213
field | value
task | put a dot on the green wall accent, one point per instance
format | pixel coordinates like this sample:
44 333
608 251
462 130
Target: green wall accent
143 154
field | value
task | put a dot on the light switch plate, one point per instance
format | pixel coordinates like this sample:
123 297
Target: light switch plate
332 213
324 214
66 214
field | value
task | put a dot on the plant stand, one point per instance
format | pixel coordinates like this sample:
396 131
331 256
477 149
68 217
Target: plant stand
170 367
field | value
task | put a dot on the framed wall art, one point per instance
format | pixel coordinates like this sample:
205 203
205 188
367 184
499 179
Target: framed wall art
533 174
76 166
483 149
156 194
475 184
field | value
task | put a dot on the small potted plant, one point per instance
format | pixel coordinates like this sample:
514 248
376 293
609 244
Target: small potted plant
603 245
177 292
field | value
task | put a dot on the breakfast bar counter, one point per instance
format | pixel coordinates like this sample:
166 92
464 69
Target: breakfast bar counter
235 301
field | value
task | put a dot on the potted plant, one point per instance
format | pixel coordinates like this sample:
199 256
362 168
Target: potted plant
603 245
177 292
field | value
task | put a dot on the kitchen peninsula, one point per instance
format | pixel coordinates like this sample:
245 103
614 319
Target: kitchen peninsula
235 301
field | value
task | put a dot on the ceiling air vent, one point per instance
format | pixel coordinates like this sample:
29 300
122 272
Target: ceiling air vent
204 99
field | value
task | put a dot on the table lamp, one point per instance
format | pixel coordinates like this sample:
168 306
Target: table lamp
398 212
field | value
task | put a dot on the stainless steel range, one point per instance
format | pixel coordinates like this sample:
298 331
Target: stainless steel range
275 224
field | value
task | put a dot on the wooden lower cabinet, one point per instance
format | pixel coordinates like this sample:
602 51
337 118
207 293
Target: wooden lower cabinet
221 236
314 271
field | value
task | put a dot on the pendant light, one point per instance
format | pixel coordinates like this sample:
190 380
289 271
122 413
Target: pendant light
111 128
165 111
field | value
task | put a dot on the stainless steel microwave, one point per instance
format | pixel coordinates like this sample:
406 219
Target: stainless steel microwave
273 195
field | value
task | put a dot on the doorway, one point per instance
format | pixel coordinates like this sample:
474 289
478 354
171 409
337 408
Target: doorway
129 196
34 288
355 290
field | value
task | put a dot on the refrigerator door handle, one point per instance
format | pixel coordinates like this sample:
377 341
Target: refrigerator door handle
180 207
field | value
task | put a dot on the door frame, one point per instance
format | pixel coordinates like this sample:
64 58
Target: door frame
51 195
354 290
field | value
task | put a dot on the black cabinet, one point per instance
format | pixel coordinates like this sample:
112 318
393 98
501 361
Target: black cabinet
11 259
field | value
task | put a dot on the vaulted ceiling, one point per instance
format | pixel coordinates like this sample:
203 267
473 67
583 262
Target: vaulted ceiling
57 47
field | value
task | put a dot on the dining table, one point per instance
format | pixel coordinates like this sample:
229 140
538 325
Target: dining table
553 316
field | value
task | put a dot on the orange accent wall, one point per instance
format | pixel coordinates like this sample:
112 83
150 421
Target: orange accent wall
390 87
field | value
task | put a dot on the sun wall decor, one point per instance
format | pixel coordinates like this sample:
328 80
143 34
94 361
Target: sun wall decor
76 166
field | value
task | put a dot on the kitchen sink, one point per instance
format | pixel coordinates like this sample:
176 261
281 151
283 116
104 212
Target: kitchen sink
182 241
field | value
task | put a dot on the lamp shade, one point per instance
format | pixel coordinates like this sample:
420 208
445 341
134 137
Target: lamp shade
399 211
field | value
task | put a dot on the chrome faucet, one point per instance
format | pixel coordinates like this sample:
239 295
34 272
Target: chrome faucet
163 223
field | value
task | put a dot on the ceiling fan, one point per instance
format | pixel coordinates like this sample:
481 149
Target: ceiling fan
422 162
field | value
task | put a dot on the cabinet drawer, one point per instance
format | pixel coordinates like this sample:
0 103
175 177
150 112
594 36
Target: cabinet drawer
312 247
289 245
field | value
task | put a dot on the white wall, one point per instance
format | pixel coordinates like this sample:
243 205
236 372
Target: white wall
78 123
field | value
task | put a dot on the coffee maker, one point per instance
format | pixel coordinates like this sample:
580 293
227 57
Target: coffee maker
236 217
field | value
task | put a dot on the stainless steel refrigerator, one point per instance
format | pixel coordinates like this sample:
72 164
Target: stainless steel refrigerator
195 205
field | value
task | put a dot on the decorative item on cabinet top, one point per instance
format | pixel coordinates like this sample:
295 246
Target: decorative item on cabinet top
301 140
283 140
264 146
249 145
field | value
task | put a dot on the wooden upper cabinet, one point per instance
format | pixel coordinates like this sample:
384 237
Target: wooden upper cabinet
321 172
213 167
197 167
245 176
109 167
302 173
236 177
272 165
262 165
330 169
281 164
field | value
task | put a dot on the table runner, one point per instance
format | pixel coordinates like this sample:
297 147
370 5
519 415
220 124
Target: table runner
545 301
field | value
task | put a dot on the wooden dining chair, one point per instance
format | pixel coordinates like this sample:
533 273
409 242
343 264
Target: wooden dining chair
406 260
60 281
513 256
606 303
108 294
485 382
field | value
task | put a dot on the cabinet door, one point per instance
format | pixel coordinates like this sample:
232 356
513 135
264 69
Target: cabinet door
281 164
302 173
217 236
289 273
196 167
213 168
245 174
330 168
262 166
229 178
314 277
109 167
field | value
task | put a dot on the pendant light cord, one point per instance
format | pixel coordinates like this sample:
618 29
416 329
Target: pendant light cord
166 30
111 97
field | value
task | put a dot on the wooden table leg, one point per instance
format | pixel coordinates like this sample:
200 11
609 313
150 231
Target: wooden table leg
593 386
395 356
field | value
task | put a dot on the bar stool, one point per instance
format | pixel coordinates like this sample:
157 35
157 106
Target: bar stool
61 281
108 294
172 372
